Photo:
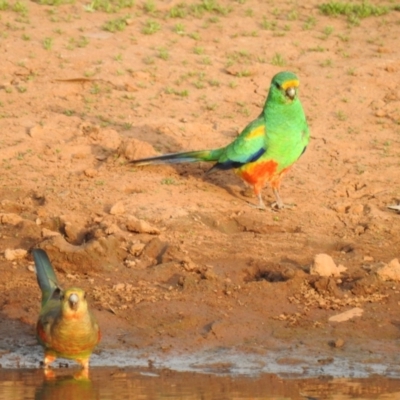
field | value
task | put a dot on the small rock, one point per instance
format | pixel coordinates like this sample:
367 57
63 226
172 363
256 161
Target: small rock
338 343
117 209
136 248
47 233
390 272
380 113
91 172
113 228
11 219
16 254
325 266
154 249
31 268
356 209
35 131
140 226
133 149
368 258
354 312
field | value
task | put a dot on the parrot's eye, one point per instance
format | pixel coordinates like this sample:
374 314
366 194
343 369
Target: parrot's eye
62 297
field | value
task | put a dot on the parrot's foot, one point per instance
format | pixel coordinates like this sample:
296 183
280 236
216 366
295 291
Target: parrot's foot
82 375
48 359
278 204
260 205
257 206
49 373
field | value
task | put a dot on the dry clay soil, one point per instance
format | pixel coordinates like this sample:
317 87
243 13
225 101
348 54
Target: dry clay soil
174 260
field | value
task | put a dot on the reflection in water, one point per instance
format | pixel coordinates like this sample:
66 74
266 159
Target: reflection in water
107 384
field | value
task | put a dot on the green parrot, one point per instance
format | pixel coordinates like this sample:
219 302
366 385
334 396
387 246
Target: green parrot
65 328
266 148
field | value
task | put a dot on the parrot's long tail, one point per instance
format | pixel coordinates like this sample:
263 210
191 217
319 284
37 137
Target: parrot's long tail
45 274
175 158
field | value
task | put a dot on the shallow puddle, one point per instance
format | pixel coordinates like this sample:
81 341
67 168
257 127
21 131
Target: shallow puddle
130 383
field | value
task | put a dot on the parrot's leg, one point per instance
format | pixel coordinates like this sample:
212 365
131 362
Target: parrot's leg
82 375
85 363
48 359
278 204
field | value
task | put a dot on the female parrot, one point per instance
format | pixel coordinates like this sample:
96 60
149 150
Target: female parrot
65 328
266 148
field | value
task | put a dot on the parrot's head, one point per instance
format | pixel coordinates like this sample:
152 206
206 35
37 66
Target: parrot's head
74 302
284 87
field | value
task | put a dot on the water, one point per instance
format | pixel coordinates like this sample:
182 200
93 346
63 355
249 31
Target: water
148 384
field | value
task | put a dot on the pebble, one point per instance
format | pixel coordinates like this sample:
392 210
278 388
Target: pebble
117 209
16 254
390 272
325 266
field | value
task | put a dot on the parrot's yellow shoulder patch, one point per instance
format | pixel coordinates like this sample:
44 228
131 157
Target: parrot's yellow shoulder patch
256 132
291 83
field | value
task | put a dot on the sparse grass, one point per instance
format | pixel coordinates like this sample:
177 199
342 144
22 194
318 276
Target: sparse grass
182 10
206 61
328 30
293 15
163 53
194 35
198 50
20 8
327 63
47 43
278 60
117 24
178 11
343 37
268 25
181 93
149 6
351 71
168 181
109 6
233 84
151 27
179 29
4 5
310 23
340 115
352 11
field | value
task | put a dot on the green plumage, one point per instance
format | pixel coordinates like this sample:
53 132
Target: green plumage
266 148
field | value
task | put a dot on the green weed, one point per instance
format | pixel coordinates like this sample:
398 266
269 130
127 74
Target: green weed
352 10
117 24
109 6
47 43
278 60
151 27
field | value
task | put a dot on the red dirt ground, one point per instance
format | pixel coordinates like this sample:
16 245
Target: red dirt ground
208 270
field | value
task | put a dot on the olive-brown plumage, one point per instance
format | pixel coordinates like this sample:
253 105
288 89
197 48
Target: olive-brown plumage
66 328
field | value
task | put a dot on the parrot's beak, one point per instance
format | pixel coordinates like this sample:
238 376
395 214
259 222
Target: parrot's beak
73 301
291 92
